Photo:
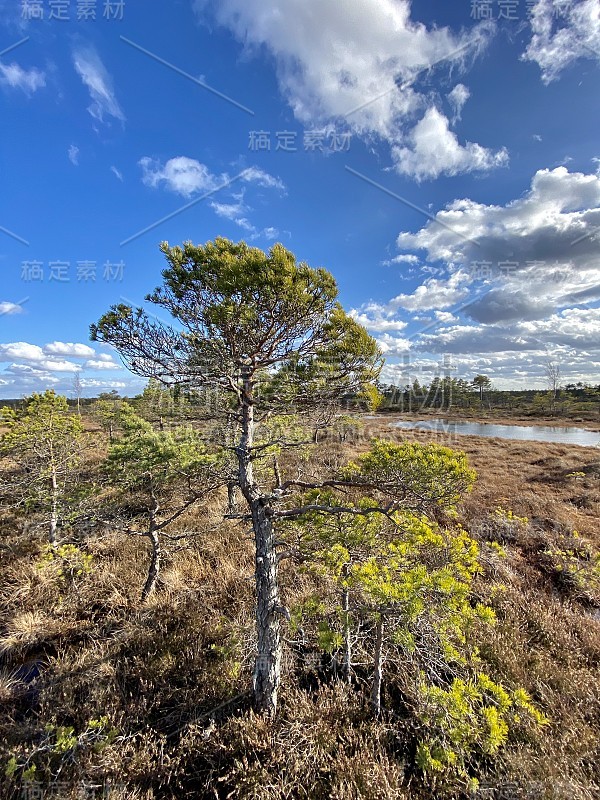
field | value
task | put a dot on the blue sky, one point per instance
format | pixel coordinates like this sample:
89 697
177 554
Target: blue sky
441 159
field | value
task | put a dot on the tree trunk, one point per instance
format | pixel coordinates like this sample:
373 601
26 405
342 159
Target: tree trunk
276 472
154 568
232 500
267 670
347 640
378 668
54 509
153 535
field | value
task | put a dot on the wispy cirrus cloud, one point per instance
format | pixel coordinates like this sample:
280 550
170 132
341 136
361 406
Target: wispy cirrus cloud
97 80
8 308
73 154
563 32
188 177
15 77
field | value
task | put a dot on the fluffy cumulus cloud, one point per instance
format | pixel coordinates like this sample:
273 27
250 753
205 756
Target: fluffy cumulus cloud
182 175
21 350
563 31
360 68
538 253
72 349
101 361
26 368
99 84
430 295
15 77
378 318
432 150
522 282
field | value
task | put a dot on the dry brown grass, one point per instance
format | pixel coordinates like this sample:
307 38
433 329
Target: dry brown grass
73 653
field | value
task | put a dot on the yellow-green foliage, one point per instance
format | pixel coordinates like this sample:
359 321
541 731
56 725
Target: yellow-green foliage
415 577
69 561
466 721
56 747
576 563
508 516
419 577
419 475
403 563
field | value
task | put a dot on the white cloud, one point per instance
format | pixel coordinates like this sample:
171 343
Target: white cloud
359 66
234 211
563 31
72 349
457 99
393 345
99 83
116 173
186 176
42 366
55 365
508 370
575 329
73 153
89 383
28 80
181 174
28 352
445 316
32 368
96 363
52 357
261 178
546 242
403 258
434 150
9 308
434 294
379 319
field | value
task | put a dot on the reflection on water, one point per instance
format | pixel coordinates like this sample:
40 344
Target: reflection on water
533 433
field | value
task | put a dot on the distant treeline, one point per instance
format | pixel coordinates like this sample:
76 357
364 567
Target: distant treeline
441 393
457 393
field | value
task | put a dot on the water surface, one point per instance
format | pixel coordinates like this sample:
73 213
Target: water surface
531 433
